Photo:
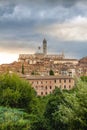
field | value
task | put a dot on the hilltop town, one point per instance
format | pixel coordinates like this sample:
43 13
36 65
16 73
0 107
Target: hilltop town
44 67
41 63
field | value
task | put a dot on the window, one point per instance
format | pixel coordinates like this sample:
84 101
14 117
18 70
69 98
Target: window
46 93
64 80
36 87
28 62
50 87
60 80
69 86
55 80
41 87
41 93
46 87
69 80
64 86
41 82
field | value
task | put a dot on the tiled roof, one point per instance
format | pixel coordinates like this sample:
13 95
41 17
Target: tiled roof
45 77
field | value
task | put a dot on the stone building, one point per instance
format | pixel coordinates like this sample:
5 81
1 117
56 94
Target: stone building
46 84
45 59
41 63
39 56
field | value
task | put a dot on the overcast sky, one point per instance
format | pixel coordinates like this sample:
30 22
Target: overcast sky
25 23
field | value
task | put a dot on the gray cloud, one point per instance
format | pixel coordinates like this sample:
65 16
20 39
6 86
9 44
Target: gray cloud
20 21
71 30
40 11
76 49
43 2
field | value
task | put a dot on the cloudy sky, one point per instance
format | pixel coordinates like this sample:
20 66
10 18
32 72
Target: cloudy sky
25 23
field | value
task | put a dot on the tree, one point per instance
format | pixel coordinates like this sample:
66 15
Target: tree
34 72
51 72
15 92
39 123
22 68
12 119
84 78
67 110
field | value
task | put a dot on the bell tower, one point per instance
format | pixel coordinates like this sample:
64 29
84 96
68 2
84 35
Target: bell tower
44 47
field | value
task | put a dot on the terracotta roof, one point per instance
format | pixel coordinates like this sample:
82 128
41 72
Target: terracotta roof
45 77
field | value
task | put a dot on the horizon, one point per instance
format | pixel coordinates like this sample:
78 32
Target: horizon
25 23
10 58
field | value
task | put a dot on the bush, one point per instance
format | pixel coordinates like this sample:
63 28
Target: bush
15 92
51 72
67 110
13 119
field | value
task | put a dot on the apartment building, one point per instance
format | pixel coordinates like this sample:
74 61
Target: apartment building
44 85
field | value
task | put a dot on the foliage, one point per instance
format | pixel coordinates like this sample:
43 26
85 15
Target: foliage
15 92
84 78
61 110
51 72
34 72
39 123
67 110
22 68
11 119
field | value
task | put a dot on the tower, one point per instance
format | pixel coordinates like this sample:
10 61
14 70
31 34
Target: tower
44 47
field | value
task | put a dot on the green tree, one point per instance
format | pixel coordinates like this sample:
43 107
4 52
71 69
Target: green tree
39 123
51 72
12 119
15 92
32 73
22 68
84 78
67 110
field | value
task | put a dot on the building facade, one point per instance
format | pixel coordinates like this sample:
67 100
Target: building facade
44 56
44 85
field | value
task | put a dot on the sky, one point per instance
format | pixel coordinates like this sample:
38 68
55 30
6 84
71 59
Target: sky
25 23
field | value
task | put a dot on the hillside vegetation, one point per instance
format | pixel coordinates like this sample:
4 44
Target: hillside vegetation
22 109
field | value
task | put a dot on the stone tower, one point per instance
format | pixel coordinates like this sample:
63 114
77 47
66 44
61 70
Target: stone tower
44 47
